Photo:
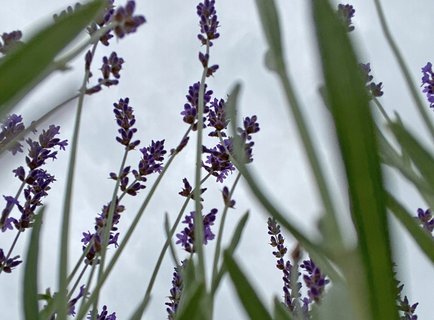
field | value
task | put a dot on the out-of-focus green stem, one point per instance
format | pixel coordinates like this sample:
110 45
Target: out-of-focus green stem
404 69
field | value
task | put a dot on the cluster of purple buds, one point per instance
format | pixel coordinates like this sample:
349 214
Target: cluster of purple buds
373 88
187 191
10 40
37 180
127 21
428 83
125 119
186 237
315 280
346 13
278 243
103 315
94 240
175 291
110 69
7 264
190 108
426 220
407 310
10 129
208 22
123 16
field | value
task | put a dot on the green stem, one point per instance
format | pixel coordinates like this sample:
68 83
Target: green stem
404 69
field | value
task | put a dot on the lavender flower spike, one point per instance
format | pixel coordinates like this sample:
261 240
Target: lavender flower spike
175 292
10 128
346 13
186 237
103 315
428 83
426 220
314 280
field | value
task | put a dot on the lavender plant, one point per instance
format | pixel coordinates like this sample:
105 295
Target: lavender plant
325 276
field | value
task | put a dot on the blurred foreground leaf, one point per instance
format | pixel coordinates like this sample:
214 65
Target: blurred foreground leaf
24 67
349 105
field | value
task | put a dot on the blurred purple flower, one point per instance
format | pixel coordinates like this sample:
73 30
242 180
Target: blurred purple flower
315 280
128 22
426 220
346 13
7 265
230 203
217 117
72 302
375 89
218 161
186 236
10 128
103 315
10 40
428 83
175 291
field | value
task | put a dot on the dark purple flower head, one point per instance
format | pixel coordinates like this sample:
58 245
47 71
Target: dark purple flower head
187 191
10 40
127 21
428 83
73 302
217 117
218 161
10 128
175 291
426 220
103 315
208 22
186 236
102 20
125 119
314 280
7 265
111 67
101 222
191 107
230 203
346 13
373 88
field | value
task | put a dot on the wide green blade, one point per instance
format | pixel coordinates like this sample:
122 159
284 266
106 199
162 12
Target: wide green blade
247 295
349 106
30 284
28 64
421 236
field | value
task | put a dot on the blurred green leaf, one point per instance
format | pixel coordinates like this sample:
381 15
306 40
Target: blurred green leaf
247 295
24 67
30 283
349 105
236 237
281 312
421 236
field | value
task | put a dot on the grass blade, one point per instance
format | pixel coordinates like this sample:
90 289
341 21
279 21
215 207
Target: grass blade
422 238
349 106
30 290
247 295
27 65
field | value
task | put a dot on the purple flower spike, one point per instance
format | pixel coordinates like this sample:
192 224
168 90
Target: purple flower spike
73 302
7 265
103 315
428 83
186 237
191 107
217 117
373 88
314 280
175 292
111 67
10 128
125 120
10 41
208 22
128 23
218 161
426 220
346 13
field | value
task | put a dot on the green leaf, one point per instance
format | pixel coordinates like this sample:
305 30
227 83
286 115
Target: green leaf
236 237
247 295
24 67
349 105
421 236
30 284
281 312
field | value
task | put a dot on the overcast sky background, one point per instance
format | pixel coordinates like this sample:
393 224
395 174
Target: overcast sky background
161 62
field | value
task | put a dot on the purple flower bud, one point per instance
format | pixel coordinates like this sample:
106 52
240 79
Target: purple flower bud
10 128
346 13
428 83
373 88
128 23
10 40
103 315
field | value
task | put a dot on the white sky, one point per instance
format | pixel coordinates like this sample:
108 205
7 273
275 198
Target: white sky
161 62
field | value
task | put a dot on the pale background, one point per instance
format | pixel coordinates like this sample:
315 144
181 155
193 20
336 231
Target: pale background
161 62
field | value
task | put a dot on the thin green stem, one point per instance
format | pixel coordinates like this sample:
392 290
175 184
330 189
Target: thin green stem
63 264
404 69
